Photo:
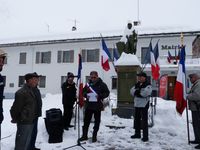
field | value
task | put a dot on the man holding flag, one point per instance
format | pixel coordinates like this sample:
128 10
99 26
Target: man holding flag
95 92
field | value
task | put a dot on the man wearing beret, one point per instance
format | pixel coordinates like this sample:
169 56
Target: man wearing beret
25 111
194 105
141 93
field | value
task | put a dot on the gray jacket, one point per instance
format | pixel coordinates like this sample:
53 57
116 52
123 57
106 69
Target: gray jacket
194 96
144 99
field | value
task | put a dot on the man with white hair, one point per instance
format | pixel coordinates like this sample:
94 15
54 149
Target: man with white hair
194 105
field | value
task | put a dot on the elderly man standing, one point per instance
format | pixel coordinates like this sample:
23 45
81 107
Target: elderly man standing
141 92
194 105
25 111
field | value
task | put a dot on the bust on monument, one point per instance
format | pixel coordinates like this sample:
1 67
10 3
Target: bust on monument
128 42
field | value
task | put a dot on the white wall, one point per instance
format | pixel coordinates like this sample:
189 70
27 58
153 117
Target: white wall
54 70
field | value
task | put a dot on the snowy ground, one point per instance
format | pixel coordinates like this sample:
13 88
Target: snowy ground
168 133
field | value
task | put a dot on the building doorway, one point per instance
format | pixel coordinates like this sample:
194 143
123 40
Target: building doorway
170 87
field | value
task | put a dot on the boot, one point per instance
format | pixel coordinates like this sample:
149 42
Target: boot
94 137
85 133
137 135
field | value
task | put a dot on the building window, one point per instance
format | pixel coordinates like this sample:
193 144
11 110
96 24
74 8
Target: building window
63 79
43 57
91 55
42 82
22 58
111 54
5 60
65 56
145 55
21 81
114 83
87 79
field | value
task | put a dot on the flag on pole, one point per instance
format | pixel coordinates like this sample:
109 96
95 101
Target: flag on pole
105 56
157 61
115 54
80 94
153 62
169 57
180 87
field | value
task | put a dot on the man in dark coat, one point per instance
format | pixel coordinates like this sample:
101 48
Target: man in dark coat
68 99
194 105
2 58
26 109
95 92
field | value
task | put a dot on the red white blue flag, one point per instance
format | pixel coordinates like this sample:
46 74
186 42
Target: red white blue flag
153 62
180 87
156 72
105 56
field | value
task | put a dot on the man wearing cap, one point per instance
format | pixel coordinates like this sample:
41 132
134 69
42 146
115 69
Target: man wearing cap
141 93
25 111
194 105
68 99
2 58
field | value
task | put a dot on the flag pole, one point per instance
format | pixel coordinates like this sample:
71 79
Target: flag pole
187 118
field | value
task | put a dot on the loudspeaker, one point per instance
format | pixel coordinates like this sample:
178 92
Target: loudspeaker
54 125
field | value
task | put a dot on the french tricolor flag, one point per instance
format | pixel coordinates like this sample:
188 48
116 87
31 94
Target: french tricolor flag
180 87
153 62
105 56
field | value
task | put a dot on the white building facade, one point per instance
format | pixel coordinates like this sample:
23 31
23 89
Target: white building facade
54 57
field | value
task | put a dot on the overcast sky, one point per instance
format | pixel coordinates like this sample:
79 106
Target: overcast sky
39 17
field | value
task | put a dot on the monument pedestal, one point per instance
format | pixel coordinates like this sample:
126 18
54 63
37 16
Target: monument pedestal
127 77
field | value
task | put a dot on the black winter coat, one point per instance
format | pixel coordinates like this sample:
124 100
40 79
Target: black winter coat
68 94
27 105
102 92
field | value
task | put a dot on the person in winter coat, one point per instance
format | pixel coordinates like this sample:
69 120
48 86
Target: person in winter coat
95 92
68 100
26 109
2 84
141 93
194 105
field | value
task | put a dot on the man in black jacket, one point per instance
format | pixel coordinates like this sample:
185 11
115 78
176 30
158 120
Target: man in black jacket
2 58
94 92
68 99
26 109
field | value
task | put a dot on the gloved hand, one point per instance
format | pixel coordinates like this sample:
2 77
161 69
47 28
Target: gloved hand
1 117
137 93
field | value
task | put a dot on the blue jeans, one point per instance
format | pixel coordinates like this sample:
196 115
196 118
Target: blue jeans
34 134
23 136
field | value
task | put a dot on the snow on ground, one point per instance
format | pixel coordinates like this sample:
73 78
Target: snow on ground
168 133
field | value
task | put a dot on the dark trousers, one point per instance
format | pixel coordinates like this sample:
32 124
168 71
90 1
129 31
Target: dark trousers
141 121
196 124
34 134
23 136
67 115
88 116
